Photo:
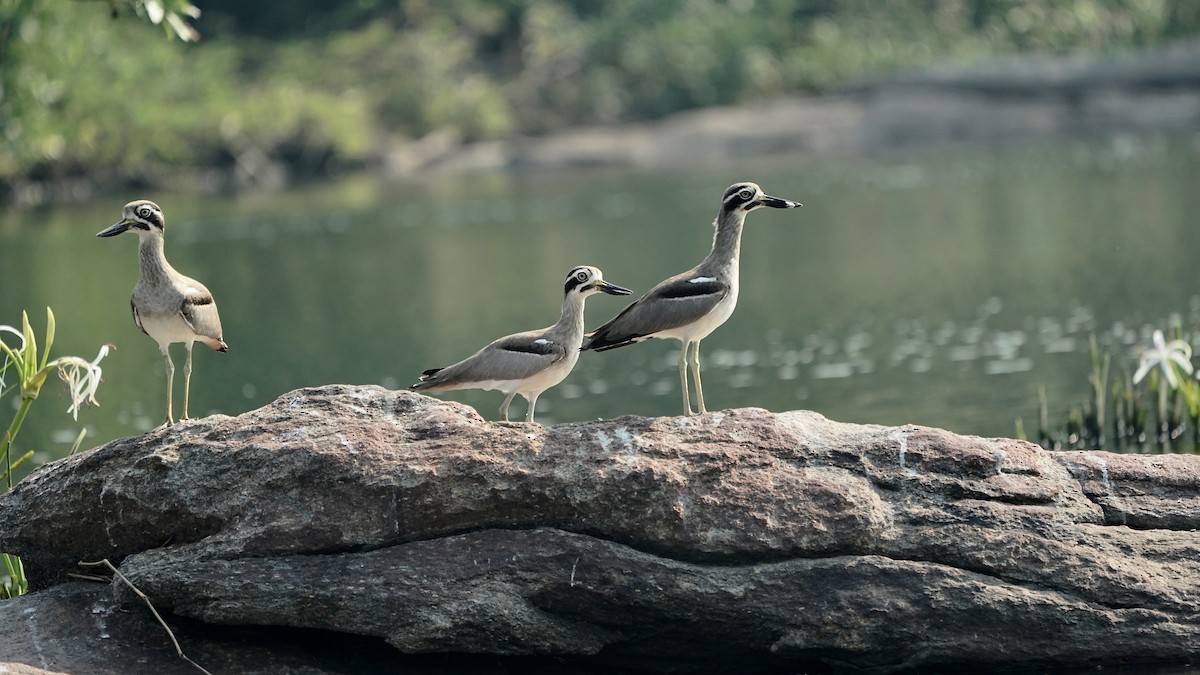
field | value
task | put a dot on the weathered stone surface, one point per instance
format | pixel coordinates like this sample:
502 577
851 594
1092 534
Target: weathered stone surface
78 628
738 540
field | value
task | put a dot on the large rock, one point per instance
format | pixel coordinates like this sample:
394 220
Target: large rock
738 540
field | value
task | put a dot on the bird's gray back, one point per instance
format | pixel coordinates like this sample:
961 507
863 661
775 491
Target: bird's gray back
673 303
513 357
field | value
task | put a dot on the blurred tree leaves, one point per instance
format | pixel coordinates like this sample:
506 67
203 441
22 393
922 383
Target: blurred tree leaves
315 86
167 13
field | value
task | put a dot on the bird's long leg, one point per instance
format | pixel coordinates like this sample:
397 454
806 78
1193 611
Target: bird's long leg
170 382
187 382
696 376
504 406
532 407
683 385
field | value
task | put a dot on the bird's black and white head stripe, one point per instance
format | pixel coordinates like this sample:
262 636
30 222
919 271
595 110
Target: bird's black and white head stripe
144 214
741 196
578 277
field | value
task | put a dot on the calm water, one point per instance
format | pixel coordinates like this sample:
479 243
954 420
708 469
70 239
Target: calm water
940 288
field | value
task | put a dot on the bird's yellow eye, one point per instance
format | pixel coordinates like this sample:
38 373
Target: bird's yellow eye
746 194
144 211
582 276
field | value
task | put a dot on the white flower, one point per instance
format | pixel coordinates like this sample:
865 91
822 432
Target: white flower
5 364
1165 355
82 378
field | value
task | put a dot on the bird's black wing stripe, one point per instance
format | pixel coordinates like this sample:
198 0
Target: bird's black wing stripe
542 347
198 300
690 289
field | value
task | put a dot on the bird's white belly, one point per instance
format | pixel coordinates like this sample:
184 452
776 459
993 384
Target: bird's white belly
167 329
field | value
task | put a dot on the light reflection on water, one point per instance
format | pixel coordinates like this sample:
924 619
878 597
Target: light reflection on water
941 288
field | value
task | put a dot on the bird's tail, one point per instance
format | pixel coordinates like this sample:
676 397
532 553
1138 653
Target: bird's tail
426 379
600 342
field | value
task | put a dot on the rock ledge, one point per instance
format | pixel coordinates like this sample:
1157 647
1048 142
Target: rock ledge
739 540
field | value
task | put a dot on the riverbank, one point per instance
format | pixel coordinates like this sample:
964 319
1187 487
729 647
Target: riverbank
1016 100
1025 99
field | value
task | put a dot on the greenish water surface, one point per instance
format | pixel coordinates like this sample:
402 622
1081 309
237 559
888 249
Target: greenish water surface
940 288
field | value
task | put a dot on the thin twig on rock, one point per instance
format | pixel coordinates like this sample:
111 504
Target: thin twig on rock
146 599
90 577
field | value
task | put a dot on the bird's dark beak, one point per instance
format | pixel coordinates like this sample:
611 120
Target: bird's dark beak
612 289
114 229
777 203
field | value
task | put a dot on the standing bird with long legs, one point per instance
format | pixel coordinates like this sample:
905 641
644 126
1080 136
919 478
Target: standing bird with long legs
531 362
689 306
166 305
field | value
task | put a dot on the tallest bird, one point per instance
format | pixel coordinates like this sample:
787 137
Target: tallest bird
166 305
689 306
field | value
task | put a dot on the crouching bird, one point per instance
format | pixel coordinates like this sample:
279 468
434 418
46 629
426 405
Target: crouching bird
531 362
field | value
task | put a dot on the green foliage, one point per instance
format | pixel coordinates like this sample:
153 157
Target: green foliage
317 85
23 363
1163 382
12 577
112 98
